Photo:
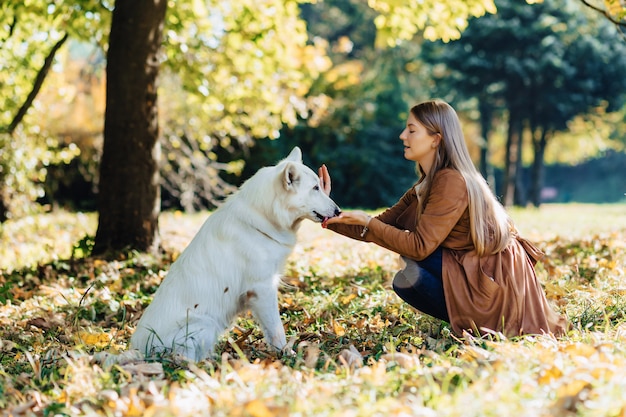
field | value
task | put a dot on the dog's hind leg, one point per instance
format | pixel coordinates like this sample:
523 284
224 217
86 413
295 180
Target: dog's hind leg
263 302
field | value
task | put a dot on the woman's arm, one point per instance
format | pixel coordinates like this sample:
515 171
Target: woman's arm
351 224
445 205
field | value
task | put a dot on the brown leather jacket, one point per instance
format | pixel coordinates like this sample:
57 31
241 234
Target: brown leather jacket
497 292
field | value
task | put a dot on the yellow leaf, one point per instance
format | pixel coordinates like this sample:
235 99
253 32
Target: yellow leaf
134 411
199 8
100 339
572 389
136 406
98 263
62 397
579 349
338 328
602 372
150 411
550 375
256 408
346 300
613 6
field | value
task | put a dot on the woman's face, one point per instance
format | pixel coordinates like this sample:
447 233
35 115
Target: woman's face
419 145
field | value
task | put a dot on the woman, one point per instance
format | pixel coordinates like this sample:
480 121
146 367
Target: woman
465 262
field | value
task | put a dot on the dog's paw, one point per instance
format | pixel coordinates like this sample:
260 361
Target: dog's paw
287 349
289 352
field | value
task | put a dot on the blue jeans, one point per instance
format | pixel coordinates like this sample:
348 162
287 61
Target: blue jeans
420 285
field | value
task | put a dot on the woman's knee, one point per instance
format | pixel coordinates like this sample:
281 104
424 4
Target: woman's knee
399 284
417 298
403 282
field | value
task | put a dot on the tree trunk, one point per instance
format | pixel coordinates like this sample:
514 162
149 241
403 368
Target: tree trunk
536 174
520 191
486 115
4 209
513 142
128 192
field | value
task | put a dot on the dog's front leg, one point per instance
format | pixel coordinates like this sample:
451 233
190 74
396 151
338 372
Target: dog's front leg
263 303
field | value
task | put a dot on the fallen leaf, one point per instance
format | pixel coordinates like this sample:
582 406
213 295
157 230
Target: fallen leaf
346 300
550 375
97 339
338 329
135 405
579 349
47 323
257 408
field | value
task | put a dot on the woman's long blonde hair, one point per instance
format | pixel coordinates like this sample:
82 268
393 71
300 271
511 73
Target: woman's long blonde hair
491 227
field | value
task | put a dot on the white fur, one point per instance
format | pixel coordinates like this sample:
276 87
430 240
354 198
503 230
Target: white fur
234 263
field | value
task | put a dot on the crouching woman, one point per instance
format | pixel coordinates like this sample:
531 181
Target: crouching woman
465 262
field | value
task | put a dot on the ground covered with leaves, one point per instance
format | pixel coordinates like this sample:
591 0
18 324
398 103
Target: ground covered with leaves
359 350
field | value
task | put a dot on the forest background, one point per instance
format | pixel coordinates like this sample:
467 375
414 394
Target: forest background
535 83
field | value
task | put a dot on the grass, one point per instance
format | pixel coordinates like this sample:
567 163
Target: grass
359 350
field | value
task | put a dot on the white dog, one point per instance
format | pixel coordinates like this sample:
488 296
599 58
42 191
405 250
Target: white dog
234 263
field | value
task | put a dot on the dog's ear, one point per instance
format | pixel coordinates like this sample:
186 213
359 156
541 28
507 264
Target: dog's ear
295 155
291 176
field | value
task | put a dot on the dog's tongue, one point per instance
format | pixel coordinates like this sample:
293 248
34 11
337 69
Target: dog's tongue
325 222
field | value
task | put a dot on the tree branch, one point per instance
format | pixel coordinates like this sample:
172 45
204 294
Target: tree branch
11 29
41 76
604 13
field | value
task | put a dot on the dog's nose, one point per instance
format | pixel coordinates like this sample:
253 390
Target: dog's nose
337 211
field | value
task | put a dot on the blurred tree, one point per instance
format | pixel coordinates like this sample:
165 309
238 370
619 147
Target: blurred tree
233 73
399 21
464 79
362 101
357 138
575 76
31 34
74 101
545 63
357 108
588 136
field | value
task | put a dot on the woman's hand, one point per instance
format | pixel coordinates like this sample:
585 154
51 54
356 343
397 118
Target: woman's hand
322 172
357 217
350 217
